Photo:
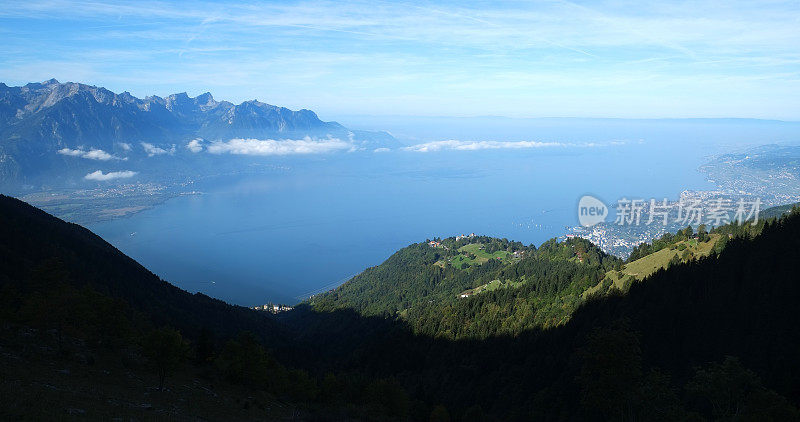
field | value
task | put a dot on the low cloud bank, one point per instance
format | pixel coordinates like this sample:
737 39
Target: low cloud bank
152 150
281 147
457 145
92 154
100 176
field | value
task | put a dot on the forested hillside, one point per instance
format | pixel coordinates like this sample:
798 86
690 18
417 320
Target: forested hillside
711 338
478 286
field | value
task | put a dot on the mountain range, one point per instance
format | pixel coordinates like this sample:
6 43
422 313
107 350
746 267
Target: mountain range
44 126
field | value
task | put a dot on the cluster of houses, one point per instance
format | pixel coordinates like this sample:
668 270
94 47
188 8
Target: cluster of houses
274 309
438 244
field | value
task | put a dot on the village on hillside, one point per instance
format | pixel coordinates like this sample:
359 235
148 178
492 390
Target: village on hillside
272 308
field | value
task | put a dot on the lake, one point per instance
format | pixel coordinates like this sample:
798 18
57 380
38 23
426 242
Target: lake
283 235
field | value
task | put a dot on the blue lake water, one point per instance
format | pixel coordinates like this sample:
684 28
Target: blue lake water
280 236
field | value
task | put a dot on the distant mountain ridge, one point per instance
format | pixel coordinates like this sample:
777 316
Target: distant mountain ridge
39 119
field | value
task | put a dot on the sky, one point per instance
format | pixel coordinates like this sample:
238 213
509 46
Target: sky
517 59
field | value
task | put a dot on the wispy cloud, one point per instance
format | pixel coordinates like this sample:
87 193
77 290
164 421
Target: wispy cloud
441 58
153 150
100 176
279 147
92 154
457 145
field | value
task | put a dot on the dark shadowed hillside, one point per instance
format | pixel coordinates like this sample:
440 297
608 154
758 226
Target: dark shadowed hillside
37 248
89 333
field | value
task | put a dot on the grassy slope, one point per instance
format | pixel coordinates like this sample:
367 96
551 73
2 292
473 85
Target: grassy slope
481 256
492 286
647 265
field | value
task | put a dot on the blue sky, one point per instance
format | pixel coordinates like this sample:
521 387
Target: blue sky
517 59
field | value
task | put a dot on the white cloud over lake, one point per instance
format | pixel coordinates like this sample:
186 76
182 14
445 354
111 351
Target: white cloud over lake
457 145
152 150
71 152
279 147
100 176
92 154
195 145
98 154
